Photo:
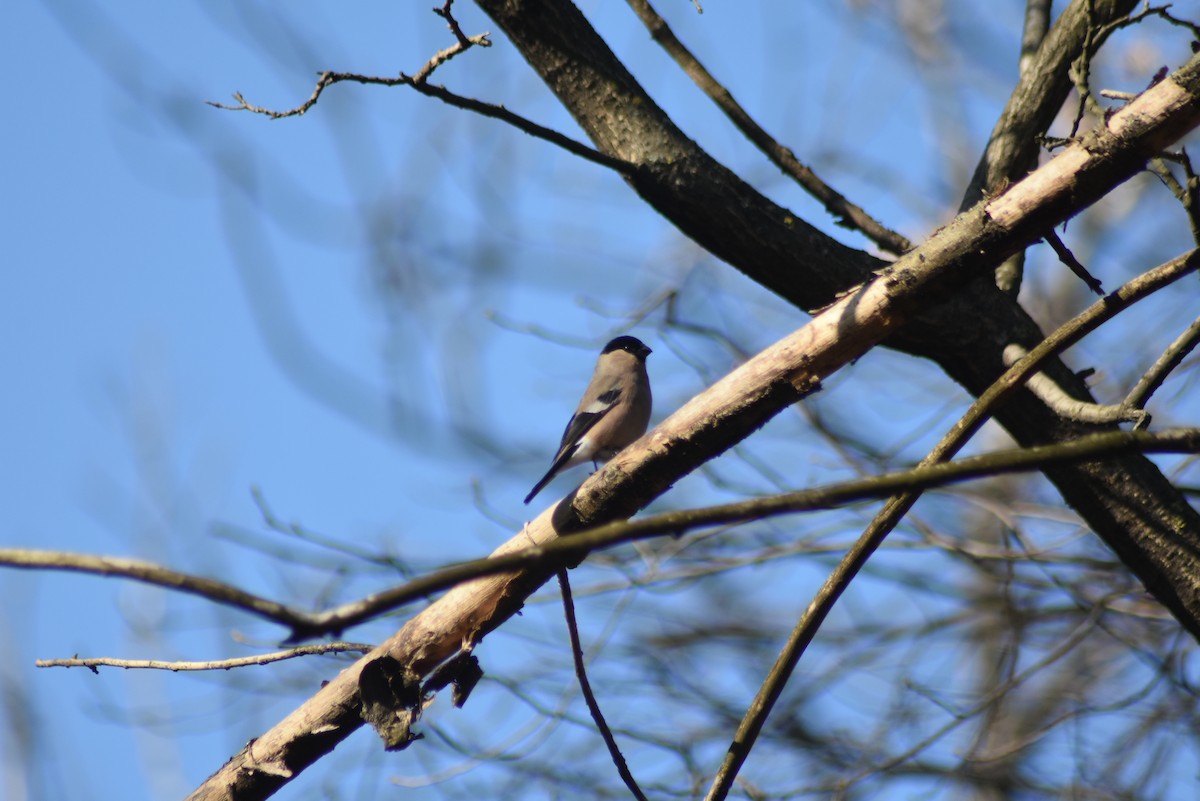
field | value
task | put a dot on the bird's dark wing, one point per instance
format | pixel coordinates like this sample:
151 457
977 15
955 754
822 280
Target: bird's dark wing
577 427
583 420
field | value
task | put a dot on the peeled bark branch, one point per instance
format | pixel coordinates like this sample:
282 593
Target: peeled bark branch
732 409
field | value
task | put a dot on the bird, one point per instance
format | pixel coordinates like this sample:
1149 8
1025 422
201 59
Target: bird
613 412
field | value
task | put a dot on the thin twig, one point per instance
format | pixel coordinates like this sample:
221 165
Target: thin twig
1068 258
328 78
528 126
1081 68
498 112
461 45
1191 198
420 82
1187 193
157 575
1096 36
292 529
1163 12
588 696
1162 367
844 212
445 13
95 663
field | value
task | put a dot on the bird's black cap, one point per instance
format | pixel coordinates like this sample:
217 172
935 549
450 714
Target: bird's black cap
629 345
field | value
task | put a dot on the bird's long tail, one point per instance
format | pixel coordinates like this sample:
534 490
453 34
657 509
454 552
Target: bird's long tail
541 485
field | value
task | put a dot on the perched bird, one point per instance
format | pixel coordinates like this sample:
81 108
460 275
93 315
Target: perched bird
614 410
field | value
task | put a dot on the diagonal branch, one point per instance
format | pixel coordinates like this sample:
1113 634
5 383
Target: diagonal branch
730 410
843 210
1171 358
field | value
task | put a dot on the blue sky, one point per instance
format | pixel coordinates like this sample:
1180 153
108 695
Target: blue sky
197 303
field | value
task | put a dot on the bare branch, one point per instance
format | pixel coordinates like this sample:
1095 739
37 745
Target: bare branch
462 44
219 664
445 13
1162 12
150 573
498 112
420 82
1187 193
1068 258
328 78
589 697
845 212
1162 367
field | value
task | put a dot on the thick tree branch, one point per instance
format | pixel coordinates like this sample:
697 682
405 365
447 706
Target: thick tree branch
730 410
